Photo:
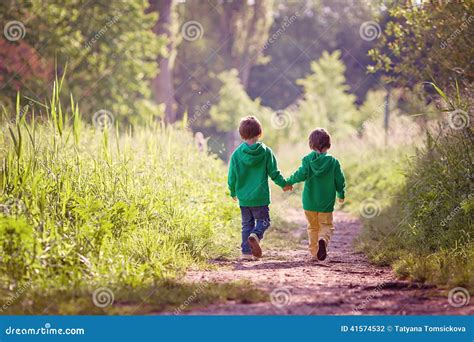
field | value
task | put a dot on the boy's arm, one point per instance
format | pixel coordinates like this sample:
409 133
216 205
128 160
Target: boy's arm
231 178
299 175
273 171
340 182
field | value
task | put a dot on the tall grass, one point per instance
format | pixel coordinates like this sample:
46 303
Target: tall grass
426 231
425 226
82 207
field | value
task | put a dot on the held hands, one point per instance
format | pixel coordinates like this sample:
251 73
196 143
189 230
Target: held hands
235 199
288 188
340 200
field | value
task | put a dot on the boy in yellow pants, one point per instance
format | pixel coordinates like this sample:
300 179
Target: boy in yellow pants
324 180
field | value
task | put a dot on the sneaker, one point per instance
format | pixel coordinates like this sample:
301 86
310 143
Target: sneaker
246 257
254 243
322 253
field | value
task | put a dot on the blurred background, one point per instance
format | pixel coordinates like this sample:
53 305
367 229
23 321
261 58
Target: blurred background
212 62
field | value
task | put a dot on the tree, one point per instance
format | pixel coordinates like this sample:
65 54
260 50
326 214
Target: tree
163 86
109 48
234 104
244 27
326 101
301 31
230 34
426 42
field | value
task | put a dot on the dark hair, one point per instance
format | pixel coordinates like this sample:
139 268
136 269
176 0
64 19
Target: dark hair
319 139
250 127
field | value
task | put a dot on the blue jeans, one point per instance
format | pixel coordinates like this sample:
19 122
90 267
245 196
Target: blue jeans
254 220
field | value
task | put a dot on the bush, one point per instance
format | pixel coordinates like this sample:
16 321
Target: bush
427 229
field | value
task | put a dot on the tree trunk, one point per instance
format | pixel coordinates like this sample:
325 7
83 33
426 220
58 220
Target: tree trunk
163 87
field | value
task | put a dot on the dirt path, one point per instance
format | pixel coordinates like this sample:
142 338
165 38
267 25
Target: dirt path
344 284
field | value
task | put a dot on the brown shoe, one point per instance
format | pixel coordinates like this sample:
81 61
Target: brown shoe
254 243
322 253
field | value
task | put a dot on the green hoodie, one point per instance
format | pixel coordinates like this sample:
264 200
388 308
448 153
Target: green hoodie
323 179
249 169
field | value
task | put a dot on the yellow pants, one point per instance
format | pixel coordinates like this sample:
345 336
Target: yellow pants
319 227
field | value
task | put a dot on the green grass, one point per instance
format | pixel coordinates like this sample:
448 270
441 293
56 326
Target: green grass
82 208
168 296
424 227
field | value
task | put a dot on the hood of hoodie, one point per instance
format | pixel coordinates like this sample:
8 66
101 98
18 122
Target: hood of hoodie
321 163
252 154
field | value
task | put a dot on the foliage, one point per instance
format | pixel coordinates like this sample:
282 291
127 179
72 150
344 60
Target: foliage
425 42
234 104
84 207
233 35
426 225
163 296
109 47
326 101
301 32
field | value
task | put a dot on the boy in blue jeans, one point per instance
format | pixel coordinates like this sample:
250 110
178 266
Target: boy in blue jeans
250 166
